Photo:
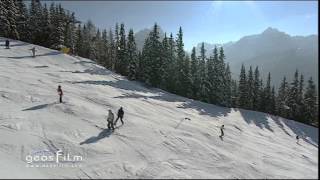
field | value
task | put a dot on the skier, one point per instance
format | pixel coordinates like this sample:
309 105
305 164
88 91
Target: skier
221 129
7 44
110 120
120 115
60 93
297 138
33 50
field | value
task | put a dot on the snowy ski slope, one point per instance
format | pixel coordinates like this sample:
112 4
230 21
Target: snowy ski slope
156 140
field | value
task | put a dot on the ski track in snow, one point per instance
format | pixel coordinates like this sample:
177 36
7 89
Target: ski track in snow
156 141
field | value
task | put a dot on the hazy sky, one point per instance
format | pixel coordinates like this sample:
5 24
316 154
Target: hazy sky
209 21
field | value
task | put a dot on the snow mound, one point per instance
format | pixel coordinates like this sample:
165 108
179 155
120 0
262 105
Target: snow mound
157 139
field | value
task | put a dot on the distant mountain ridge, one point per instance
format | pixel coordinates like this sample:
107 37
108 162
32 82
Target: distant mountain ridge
273 51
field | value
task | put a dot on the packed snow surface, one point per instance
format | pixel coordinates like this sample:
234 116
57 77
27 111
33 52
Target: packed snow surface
157 139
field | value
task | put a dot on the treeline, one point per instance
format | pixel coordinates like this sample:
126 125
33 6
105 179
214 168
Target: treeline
293 100
162 63
51 27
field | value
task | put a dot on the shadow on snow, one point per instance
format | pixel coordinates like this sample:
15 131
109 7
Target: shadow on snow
104 133
37 107
30 56
120 84
92 71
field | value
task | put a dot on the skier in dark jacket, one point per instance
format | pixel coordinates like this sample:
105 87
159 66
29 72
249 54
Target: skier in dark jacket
7 44
59 90
120 116
221 129
297 138
33 50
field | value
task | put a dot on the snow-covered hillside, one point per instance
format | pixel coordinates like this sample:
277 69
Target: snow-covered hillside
156 140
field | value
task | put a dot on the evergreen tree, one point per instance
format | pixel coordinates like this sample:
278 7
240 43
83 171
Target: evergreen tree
187 78
301 86
227 92
144 68
140 67
89 33
112 51
69 36
256 90
282 99
183 81
96 47
22 18
44 27
57 15
171 84
180 59
122 65
293 98
267 98
311 104
195 78
165 71
105 46
220 77
212 78
251 89
262 97
52 25
234 93
79 41
272 109
132 56
116 34
204 84
300 100
8 19
34 21
243 89
116 48
3 19
152 62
